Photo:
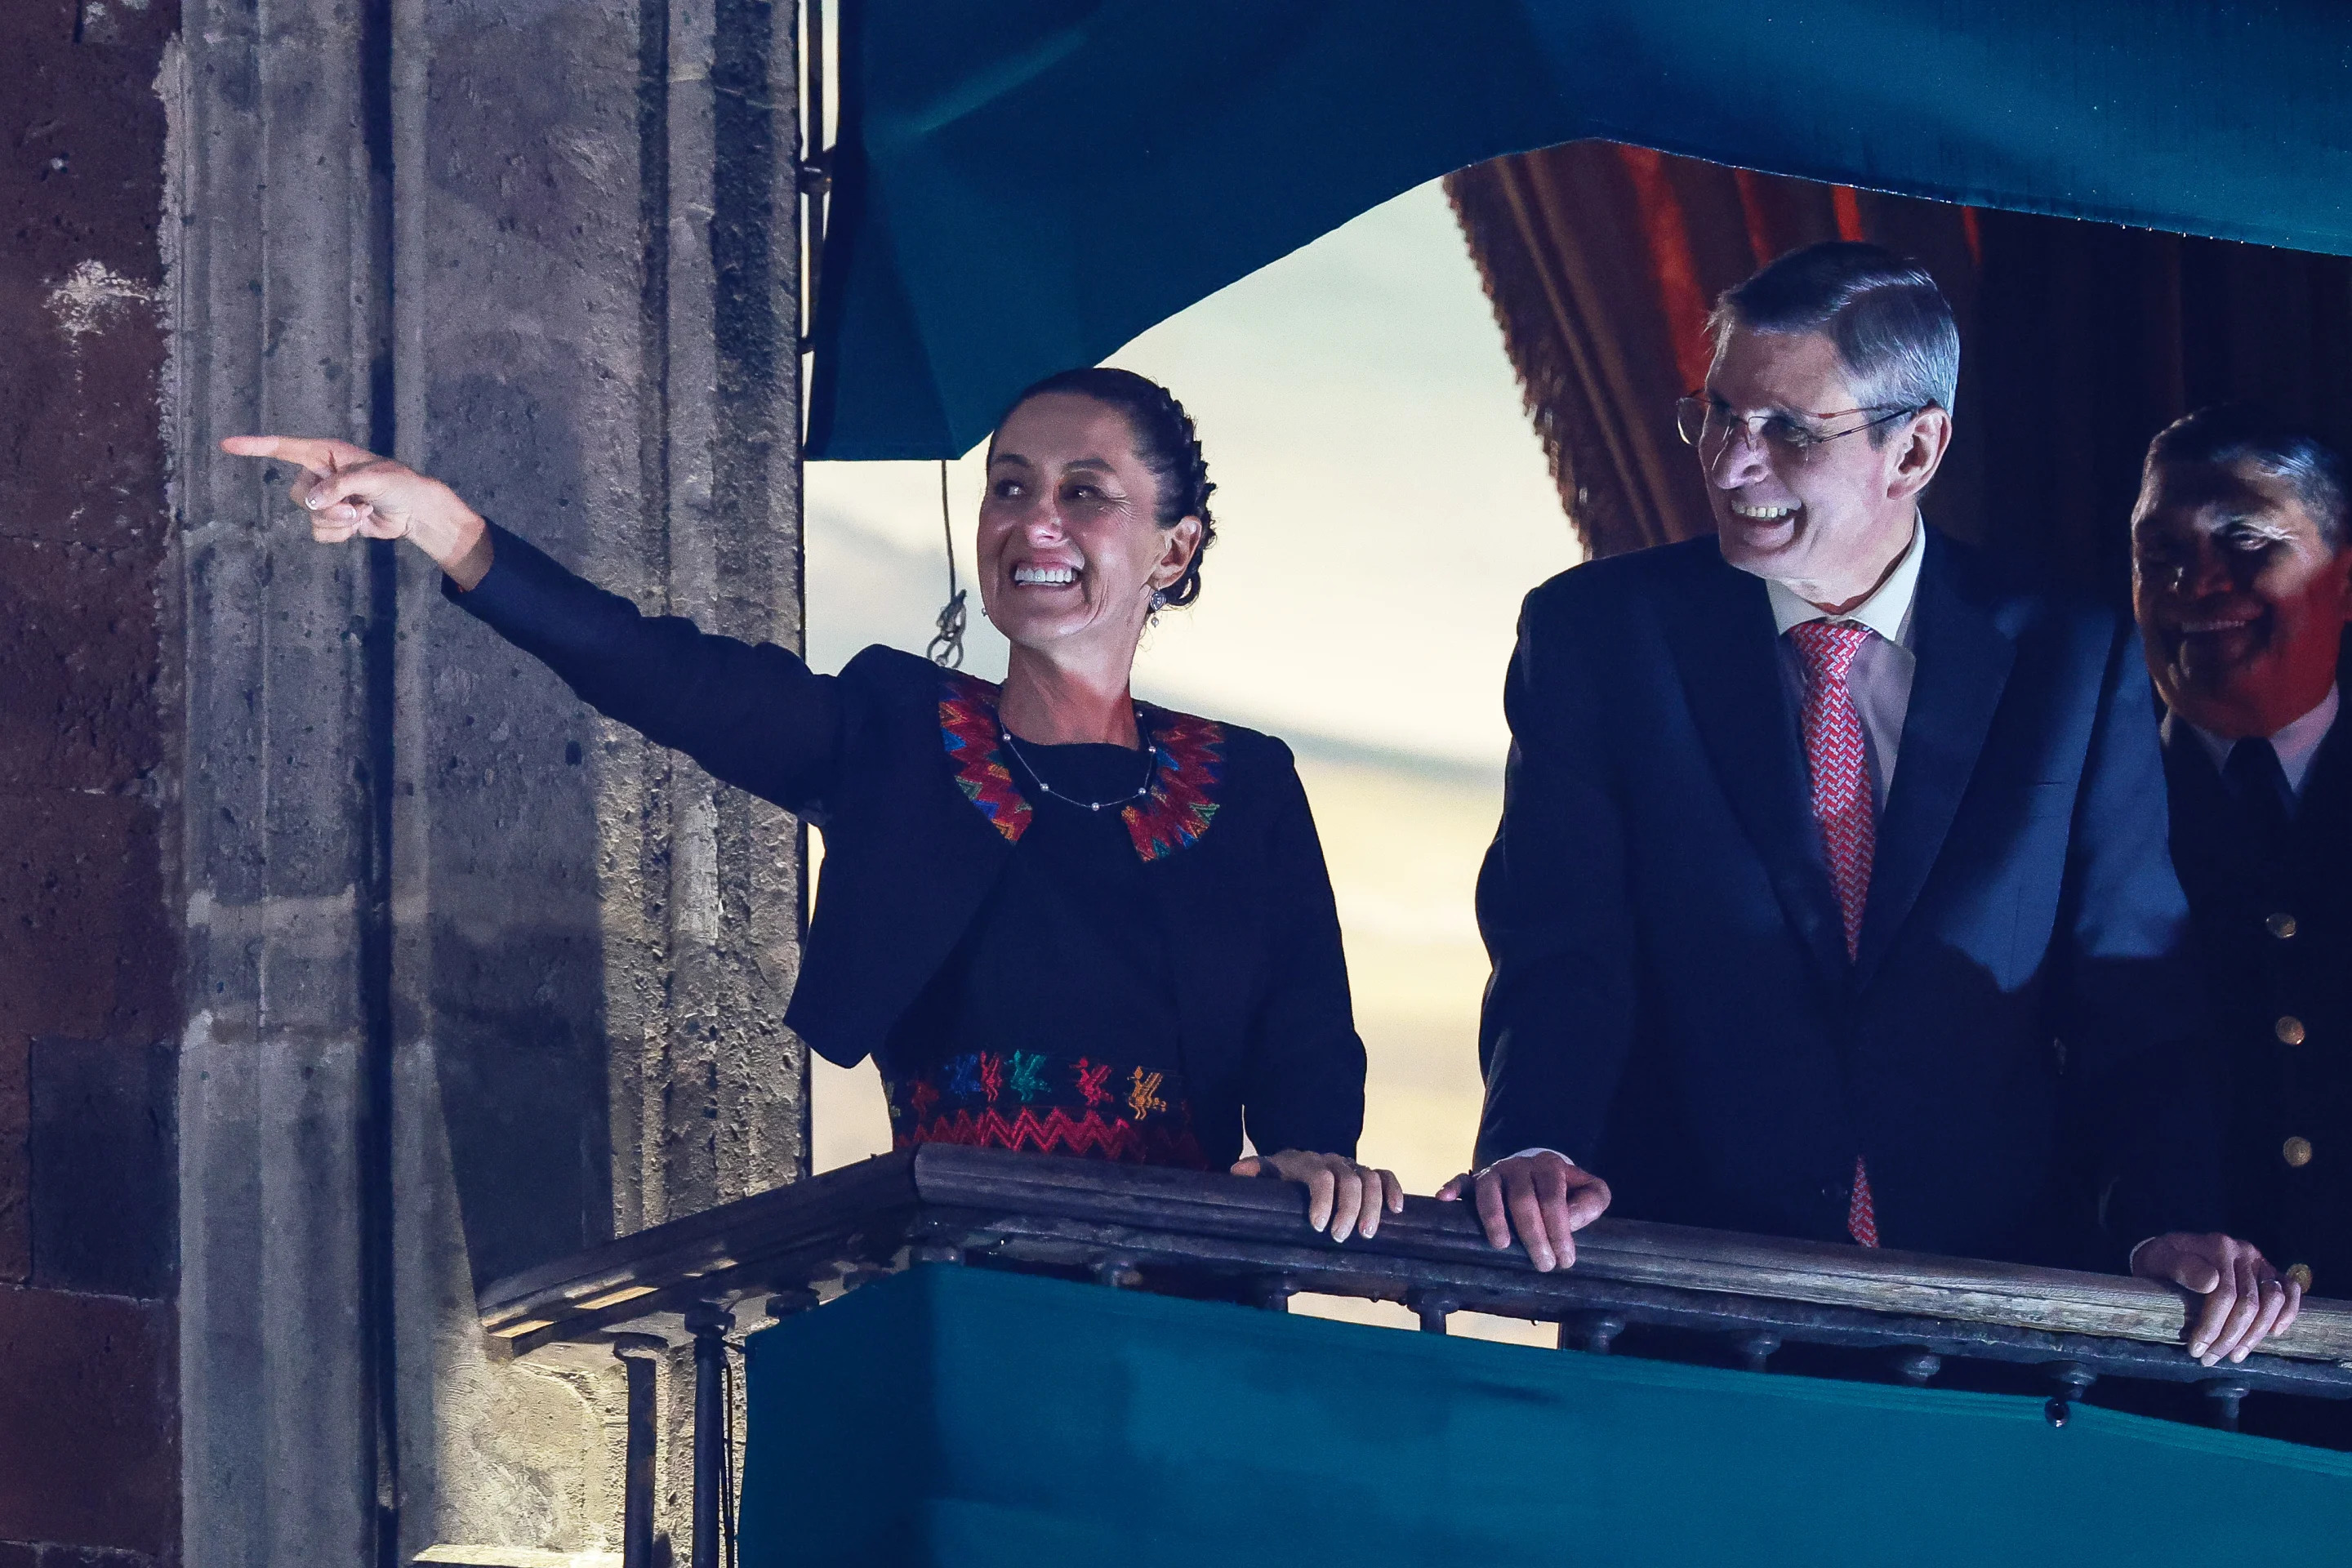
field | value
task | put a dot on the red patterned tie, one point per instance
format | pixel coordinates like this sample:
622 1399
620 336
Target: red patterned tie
1840 765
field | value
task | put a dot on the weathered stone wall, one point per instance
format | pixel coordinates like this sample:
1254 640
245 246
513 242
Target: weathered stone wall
89 1001
475 978
346 962
597 262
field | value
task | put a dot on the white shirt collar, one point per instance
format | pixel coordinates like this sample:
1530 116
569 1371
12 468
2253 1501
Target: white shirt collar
1886 612
2295 744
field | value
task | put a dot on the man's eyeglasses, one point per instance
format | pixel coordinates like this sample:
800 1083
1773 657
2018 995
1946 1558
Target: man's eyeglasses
1706 424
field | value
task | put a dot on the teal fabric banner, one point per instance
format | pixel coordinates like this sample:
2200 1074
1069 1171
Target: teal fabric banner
956 1416
1025 188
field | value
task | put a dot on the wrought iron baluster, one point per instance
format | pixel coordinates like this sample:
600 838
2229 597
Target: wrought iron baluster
709 1322
641 1356
1591 1332
1433 1308
2222 1397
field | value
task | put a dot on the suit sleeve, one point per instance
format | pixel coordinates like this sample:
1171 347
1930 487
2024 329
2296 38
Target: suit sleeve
2129 994
1554 909
1304 1085
754 715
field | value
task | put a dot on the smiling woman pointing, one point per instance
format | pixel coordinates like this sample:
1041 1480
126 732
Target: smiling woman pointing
1058 918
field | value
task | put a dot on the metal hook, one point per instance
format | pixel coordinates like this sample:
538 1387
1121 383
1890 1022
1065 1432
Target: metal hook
946 646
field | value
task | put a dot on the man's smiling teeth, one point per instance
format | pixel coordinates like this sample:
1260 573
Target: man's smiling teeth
2203 629
1044 576
1762 513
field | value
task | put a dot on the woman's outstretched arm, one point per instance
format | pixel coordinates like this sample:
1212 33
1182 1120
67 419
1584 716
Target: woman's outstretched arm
752 714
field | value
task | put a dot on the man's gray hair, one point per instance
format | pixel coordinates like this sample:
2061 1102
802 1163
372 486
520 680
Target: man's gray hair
1893 327
2229 433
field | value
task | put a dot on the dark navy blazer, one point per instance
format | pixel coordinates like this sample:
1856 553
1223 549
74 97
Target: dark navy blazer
911 854
1671 1005
2274 927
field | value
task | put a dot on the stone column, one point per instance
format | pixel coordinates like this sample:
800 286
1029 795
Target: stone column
597 262
275 287
467 959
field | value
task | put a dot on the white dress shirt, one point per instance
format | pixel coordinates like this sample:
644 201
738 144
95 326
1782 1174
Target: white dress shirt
2296 744
1880 680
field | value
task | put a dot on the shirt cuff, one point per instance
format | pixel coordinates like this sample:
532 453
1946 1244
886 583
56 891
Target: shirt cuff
1540 1150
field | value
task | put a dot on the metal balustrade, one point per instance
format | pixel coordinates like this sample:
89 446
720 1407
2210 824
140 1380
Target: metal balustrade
1912 1315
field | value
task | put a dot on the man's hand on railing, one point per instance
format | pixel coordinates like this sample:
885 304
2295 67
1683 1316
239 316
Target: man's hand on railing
1545 1197
2245 1299
1340 1194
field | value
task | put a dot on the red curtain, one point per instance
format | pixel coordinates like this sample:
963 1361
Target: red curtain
2079 341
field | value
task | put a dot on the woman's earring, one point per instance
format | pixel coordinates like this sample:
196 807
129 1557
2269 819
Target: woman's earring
1158 600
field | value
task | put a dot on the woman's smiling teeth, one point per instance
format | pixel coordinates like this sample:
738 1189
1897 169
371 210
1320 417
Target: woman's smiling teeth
1034 577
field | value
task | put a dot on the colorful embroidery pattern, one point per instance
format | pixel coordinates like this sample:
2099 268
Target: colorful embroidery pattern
1026 1080
1143 1098
1180 808
964 1077
1182 802
1153 1126
968 730
1057 1131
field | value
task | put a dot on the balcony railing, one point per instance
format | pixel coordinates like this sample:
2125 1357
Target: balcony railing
1246 1240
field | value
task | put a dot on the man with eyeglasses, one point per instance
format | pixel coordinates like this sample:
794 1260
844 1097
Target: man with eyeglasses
1830 898
2242 582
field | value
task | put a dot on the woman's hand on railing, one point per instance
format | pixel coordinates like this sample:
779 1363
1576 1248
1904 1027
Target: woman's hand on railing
1347 1197
349 491
2245 1299
1544 1195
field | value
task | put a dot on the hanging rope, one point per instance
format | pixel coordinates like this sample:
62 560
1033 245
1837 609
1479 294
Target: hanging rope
946 646
727 1503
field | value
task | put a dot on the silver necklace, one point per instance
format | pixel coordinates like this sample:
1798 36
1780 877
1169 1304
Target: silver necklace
1150 772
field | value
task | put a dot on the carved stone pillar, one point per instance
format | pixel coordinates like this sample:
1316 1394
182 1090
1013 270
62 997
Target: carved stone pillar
476 978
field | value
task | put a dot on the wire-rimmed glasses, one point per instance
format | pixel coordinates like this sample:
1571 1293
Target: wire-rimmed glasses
1706 424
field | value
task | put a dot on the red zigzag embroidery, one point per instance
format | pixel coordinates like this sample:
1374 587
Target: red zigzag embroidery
1056 1133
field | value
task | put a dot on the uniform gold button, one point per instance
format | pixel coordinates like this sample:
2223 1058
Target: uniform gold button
2300 1275
2297 1152
2282 925
2289 1030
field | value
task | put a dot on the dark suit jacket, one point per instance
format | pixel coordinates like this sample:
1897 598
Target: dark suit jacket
2276 931
912 850
1672 1003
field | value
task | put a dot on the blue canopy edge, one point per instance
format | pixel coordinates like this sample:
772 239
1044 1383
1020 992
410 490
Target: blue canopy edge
1023 188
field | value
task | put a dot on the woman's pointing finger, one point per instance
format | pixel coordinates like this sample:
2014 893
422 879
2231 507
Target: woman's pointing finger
347 491
321 455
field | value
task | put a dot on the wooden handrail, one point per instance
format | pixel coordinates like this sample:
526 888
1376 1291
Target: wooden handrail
954 1201
1248 1239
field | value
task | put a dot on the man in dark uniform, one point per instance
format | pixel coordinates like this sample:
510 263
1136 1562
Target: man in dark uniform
2240 585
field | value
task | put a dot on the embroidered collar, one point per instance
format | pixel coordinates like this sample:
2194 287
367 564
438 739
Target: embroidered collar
1179 809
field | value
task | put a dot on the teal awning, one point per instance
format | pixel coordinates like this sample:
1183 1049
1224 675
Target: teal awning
1023 188
954 1416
